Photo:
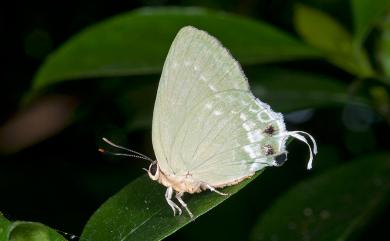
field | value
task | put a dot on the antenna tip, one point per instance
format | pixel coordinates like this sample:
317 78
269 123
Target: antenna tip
101 150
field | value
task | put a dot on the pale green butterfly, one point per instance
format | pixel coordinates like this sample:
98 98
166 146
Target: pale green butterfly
209 131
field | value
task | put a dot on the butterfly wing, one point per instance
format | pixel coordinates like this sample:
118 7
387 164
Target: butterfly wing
196 68
227 137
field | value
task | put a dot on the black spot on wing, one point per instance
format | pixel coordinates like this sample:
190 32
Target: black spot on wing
270 130
268 150
281 159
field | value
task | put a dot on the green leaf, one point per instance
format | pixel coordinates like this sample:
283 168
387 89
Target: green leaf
323 32
366 14
26 231
384 47
137 43
4 227
332 206
289 90
139 212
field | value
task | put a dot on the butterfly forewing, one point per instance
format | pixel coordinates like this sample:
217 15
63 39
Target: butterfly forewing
197 66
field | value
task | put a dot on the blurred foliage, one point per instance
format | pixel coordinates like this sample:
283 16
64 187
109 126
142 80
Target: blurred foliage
346 207
384 47
27 231
325 64
126 45
333 40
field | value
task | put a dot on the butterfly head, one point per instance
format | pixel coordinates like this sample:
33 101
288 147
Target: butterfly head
154 171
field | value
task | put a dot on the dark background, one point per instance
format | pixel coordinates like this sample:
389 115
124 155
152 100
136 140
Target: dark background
62 179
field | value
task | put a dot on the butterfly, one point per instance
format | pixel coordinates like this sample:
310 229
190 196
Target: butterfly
209 131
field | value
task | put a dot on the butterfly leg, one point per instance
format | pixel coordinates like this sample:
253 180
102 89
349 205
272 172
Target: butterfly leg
178 197
168 197
215 190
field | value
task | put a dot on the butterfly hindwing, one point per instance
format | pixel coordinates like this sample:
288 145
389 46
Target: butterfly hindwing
225 139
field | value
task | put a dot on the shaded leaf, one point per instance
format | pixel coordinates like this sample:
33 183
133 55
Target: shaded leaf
289 90
4 227
332 206
139 212
384 48
325 33
137 43
26 231
366 14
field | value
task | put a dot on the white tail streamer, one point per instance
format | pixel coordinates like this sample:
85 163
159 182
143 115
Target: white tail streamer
297 135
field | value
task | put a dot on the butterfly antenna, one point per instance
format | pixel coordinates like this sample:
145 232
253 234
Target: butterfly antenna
121 154
137 154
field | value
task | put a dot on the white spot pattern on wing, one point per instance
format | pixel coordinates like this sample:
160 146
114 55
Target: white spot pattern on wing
263 117
217 112
255 166
255 136
243 117
249 125
212 87
253 150
254 109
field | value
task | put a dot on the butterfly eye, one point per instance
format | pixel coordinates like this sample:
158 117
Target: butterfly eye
154 171
281 159
153 168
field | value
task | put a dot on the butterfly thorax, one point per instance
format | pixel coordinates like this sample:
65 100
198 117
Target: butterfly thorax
181 183
185 182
